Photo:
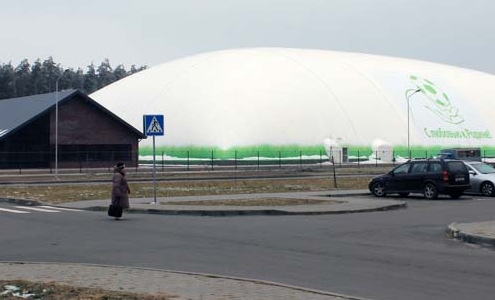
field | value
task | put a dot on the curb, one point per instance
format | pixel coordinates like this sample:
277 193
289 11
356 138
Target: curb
227 212
348 194
249 212
454 233
22 201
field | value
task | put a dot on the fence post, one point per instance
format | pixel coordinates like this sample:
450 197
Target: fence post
321 161
188 160
235 159
212 160
334 174
300 158
280 159
359 158
258 160
50 163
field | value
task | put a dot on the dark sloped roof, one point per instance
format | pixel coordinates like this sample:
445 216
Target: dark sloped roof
16 112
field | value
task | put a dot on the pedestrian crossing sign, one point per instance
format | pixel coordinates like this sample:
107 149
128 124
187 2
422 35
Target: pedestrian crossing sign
153 125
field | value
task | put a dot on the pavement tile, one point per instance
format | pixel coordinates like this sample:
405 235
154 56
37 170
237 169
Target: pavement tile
139 280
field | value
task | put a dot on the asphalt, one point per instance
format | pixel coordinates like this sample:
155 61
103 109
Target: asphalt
210 286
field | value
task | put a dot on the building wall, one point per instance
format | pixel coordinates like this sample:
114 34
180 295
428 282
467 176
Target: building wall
87 137
83 127
28 147
80 122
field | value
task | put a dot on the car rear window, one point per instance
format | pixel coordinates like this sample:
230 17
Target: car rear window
483 168
456 166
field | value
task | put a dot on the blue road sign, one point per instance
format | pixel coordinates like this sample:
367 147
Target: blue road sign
153 125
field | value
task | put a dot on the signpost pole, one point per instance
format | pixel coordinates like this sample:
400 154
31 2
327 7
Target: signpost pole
154 172
153 126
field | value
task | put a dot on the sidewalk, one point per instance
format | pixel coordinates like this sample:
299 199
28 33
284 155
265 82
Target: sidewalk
480 233
180 284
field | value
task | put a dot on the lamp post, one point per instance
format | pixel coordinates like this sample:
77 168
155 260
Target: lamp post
408 127
56 127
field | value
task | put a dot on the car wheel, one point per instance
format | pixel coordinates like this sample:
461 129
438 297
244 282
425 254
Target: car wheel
378 189
430 191
487 189
403 194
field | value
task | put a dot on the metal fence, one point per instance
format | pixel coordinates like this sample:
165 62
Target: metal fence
280 159
72 159
186 160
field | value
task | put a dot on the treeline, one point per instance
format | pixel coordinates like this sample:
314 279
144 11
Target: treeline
41 77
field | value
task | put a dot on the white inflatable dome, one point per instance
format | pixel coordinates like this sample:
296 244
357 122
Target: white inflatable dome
279 96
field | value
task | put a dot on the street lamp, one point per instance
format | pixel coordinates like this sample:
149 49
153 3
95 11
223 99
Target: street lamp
56 127
408 112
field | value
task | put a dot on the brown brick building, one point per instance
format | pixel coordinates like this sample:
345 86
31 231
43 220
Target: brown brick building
88 134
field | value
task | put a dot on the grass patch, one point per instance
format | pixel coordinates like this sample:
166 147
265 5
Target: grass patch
62 193
18 289
254 202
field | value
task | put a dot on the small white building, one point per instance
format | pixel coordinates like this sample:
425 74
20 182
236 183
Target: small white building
382 151
334 150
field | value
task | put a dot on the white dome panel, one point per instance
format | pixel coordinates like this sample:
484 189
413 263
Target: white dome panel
278 96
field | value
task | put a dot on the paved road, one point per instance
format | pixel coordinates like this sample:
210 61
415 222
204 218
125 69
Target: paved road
397 254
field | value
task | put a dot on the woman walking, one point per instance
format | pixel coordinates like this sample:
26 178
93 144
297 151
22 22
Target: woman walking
120 188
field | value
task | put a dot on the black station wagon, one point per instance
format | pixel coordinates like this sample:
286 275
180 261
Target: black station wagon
430 177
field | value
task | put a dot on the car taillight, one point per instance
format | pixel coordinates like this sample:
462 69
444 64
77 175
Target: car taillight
445 176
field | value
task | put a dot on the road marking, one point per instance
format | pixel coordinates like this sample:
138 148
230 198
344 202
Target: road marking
60 208
37 209
14 211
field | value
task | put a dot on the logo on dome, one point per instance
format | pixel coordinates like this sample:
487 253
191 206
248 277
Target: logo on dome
437 101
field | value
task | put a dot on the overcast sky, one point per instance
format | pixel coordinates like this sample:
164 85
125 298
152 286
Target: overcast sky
150 32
